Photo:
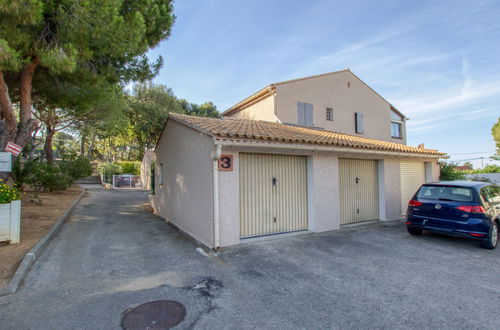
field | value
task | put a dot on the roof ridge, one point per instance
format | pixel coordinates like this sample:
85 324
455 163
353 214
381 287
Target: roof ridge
311 76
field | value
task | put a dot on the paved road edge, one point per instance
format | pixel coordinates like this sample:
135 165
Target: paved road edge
33 254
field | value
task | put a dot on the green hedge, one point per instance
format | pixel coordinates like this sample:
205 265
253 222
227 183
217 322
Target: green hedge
50 176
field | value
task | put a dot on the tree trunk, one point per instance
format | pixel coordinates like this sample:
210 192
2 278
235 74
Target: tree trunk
82 145
8 123
91 148
26 123
48 145
11 131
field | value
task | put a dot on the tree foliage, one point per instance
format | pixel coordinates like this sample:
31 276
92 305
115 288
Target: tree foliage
448 172
149 105
102 39
495 131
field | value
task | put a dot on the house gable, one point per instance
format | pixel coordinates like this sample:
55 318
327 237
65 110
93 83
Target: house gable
337 99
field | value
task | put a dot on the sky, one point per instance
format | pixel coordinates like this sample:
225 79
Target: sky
438 62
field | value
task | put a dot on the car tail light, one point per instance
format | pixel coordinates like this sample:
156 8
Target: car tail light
471 208
414 203
408 223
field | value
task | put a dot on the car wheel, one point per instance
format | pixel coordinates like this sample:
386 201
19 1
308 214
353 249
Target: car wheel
414 231
492 240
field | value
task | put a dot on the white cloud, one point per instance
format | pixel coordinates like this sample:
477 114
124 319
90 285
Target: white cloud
453 118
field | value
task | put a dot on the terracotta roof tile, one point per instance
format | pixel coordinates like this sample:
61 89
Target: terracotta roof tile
255 130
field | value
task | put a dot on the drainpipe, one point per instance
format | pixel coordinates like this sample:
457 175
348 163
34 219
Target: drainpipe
215 187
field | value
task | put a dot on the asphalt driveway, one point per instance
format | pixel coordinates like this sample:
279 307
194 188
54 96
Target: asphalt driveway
113 254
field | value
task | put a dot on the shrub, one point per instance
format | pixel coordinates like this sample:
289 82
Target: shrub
490 169
449 173
21 172
48 177
7 193
110 169
133 167
78 168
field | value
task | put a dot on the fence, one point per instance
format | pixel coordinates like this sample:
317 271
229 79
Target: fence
491 177
126 181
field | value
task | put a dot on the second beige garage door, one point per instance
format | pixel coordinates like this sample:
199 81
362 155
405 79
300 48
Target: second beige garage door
412 177
358 190
273 194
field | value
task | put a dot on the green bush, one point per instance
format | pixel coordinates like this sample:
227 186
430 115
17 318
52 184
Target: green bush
110 169
133 167
49 177
77 168
449 173
21 172
489 169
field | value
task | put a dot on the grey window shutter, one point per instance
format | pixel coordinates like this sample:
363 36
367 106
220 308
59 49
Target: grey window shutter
301 113
309 114
359 122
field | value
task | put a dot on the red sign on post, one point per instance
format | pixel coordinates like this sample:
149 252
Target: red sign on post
13 148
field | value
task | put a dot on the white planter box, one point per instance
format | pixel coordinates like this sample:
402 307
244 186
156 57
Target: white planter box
10 222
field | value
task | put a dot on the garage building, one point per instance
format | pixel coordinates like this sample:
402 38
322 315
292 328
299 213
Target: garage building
226 180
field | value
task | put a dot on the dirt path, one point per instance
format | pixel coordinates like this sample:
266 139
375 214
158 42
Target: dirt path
36 220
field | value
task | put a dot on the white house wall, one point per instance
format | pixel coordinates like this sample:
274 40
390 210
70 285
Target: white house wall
185 198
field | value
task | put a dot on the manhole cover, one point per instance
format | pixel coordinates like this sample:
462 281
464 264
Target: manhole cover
159 314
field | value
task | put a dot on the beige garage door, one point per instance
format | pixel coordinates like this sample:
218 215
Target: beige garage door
273 194
358 190
412 177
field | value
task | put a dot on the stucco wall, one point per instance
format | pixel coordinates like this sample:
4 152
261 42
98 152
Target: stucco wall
389 189
435 171
332 91
323 192
185 198
229 201
262 110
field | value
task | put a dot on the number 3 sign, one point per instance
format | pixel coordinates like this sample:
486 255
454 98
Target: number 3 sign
226 163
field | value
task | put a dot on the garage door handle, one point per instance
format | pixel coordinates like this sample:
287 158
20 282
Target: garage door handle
274 181
357 180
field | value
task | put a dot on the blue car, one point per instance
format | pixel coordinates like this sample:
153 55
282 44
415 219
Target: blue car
457 208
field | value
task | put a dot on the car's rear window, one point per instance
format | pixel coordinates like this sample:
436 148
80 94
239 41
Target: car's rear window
446 193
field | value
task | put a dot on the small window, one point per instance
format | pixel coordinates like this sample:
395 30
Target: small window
396 129
359 123
329 114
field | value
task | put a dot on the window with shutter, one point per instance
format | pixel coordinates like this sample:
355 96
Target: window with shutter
309 115
305 114
301 113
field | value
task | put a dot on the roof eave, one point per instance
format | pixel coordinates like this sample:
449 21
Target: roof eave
182 122
324 148
257 96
